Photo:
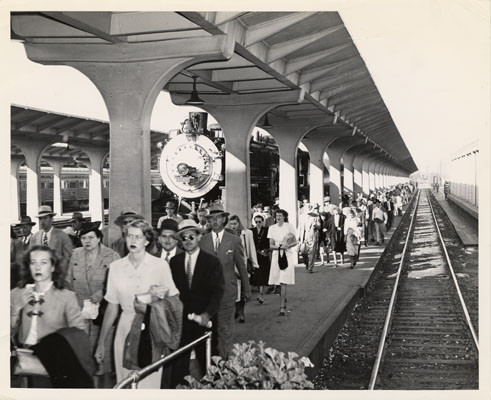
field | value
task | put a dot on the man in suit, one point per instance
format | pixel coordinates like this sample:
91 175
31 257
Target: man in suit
52 237
199 278
22 243
228 248
167 243
74 230
389 207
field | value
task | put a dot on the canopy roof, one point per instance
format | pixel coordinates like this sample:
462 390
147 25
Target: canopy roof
274 51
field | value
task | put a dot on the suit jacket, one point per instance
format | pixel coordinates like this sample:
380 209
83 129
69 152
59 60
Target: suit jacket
231 254
389 204
60 242
206 292
249 247
332 232
21 248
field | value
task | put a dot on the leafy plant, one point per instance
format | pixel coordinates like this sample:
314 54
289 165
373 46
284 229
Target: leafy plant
252 366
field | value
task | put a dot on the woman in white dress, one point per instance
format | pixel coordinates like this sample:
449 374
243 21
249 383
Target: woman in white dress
129 282
282 239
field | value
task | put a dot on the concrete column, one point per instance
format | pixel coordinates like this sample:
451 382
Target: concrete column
349 186
237 124
287 140
358 175
14 188
371 174
96 198
378 184
129 78
57 199
365 176
316 169
335 186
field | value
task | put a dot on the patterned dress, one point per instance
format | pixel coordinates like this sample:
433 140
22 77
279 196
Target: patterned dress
87 280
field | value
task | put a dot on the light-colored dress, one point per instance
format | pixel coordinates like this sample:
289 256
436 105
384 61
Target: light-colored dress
123 284
276 275
87 280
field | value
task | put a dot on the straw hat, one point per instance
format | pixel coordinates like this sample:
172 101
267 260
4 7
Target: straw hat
44 211
216 209
187 225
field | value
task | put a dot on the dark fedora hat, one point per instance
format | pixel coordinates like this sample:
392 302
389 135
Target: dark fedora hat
25 220
89 227
77 216
168 224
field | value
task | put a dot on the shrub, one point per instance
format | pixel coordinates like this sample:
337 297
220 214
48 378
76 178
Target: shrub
252 366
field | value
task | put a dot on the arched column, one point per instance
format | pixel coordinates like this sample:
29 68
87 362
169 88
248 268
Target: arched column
96 197
316 169
129 78
33 150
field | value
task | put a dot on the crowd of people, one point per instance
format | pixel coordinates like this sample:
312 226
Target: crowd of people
154 290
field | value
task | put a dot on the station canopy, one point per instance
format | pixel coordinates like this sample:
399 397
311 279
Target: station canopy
274 52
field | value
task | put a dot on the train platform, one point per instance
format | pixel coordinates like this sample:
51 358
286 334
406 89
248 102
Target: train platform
466 225
318 305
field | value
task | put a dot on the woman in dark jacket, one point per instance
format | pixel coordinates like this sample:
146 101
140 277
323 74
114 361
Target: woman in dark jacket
261 241
335 233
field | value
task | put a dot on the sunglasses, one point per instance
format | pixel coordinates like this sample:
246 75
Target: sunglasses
186 238
258 221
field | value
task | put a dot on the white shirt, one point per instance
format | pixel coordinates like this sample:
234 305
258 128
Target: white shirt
172 253
193 257
220 237
48 234
27 238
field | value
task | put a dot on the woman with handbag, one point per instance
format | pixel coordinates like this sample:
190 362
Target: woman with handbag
87 273
40 306
282 240
246 236
131 284
261 242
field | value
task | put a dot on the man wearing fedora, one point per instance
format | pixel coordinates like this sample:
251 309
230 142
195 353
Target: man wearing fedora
228 248
55 238
167 243
309 237
170 213
198 276
126 217
74 230
22 243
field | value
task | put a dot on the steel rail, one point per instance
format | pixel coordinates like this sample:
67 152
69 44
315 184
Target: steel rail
135 376
456 283
381 346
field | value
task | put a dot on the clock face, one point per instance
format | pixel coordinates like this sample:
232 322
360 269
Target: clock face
190 165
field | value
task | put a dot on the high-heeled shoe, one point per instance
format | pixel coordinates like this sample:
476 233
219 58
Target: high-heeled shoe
241 319
260 300
282 311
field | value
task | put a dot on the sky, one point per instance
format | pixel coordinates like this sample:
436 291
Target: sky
430 60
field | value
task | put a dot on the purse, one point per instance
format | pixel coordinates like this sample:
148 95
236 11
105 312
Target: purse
282 260
28 364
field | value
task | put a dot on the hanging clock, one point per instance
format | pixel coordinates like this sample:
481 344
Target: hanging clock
190 165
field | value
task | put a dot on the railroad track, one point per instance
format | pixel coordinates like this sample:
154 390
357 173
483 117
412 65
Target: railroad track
428 341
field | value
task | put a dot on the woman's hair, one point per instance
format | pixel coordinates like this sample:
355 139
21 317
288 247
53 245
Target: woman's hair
352 213
281 211
25 275
146 229
236 218
97 232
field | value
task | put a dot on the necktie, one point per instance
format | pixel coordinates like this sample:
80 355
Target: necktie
167 257
45 239
189 274
217 243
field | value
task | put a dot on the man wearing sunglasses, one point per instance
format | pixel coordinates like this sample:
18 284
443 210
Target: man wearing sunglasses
199 278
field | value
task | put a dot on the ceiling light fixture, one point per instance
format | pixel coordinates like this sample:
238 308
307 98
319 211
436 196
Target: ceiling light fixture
194 100
266 123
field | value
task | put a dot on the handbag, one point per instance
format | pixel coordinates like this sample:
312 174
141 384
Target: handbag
28 364
282 260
